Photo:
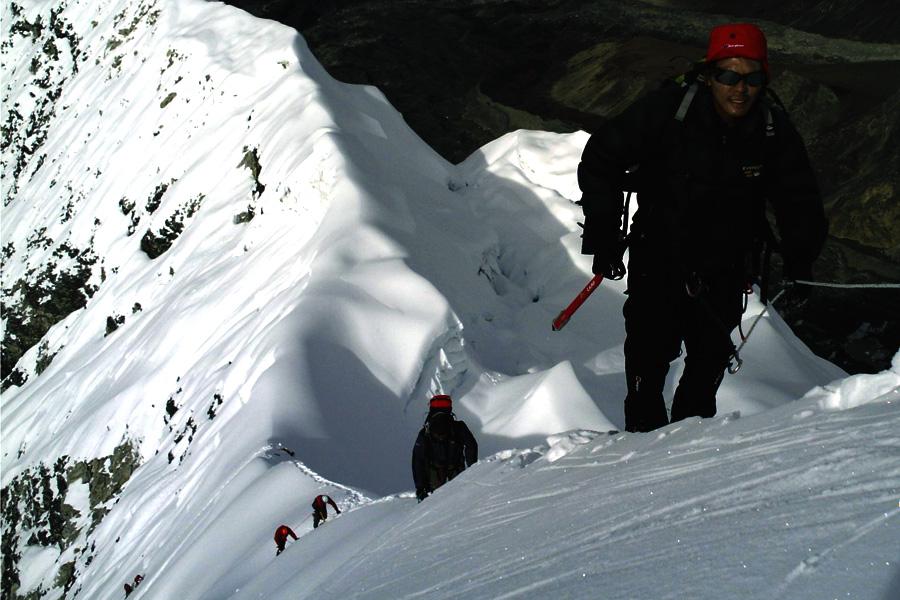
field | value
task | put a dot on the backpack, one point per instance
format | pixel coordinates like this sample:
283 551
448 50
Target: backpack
443 451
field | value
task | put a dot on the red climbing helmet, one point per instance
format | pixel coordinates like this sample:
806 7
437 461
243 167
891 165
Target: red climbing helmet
440 402
743 40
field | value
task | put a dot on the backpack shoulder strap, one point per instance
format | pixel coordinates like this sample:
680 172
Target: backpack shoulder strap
770 123
769 102
686 102
773 100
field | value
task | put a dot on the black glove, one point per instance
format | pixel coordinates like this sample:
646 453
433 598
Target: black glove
421 494
608 260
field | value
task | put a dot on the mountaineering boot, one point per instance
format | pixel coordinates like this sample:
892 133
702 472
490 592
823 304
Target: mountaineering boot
645 408
696 392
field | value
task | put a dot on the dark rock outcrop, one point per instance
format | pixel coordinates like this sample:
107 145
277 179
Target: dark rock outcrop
36 503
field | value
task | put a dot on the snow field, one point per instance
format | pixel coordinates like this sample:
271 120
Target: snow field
332 274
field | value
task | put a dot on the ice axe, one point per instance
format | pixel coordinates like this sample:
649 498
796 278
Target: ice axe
560 321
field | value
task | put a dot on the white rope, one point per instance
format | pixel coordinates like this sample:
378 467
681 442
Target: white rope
849 285
759 316
735 368
737 351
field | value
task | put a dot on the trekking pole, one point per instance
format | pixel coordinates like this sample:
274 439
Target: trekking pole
562 318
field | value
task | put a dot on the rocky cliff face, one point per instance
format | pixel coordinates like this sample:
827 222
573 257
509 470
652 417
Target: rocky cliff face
465 72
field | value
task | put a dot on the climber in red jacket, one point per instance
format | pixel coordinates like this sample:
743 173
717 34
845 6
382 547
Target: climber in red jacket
320 511
281 535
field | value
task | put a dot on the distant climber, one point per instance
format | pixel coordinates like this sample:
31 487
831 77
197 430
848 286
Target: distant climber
320 510
281 536
131 587
443 449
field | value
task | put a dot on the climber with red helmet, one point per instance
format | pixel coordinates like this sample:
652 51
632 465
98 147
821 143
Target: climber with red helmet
706 160
281 536
443 448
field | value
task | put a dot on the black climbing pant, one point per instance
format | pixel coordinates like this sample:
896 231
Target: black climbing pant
660 315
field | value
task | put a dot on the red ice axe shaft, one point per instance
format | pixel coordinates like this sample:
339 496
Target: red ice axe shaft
560 321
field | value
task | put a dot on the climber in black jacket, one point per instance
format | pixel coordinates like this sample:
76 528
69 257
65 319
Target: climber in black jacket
704 161
443 448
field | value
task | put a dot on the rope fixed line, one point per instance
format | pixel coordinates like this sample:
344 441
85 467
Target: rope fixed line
734 368
894 286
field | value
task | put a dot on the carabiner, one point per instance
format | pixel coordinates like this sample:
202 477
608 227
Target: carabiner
734 367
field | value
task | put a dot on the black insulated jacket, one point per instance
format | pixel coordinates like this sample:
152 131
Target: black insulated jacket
436 461
702 186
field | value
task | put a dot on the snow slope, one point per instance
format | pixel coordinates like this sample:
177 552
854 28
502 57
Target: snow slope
796 502
279 274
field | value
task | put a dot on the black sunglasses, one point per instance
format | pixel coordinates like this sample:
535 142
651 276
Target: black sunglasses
726 77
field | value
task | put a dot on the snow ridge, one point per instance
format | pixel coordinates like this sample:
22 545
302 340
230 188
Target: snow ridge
230 281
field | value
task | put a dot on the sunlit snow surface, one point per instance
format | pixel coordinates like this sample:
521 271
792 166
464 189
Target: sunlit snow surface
372 275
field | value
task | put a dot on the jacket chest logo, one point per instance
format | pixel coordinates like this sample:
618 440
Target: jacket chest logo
751 171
